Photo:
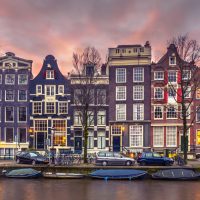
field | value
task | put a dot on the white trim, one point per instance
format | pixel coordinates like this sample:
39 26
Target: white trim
6 79
162 89
154 107
173 56
34 109
158 79
117 93
26 79
116 79
37 86
142 91
26 96
136 81
162 136
18 114
13 114
142 134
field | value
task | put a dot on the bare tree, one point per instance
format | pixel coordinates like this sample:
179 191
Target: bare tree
86 89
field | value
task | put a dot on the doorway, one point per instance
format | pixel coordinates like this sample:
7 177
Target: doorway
116 143
78 144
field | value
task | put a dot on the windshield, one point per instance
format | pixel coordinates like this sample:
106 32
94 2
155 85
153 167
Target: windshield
33 154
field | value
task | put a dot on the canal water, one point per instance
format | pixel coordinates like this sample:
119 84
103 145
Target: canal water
87 189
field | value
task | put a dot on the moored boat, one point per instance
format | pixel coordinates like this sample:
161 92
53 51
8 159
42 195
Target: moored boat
129 174
62 175
23 173
176 174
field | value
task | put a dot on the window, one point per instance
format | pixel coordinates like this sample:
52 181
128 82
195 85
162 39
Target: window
9 135
50 74
138 74
142 49
90 118
121 93
10 79
136 136
187 111
90 144
9 112
101 140
22 135
50 108
38 89
172 93
158 93
0 79
37 107
62 107
10 95
78 97
172 76
0 95
77 118
50 90
198 138
138 92
117 50
135 50
22 95
159 75
171 112
172 60
171 136
187 92
22 79
40 125
158 112
158 136
186 75
91 96
120 75
101 117
120 112
61 89
138 111
198 114
89 70
22 114
101 96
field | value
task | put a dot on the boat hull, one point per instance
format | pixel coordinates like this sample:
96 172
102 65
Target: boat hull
63 175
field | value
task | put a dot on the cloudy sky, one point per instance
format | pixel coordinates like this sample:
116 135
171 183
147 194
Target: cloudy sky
33 29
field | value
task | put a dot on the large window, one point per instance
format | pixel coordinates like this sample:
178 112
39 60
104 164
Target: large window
50 107
10 79
101 117
121 93
41 125
101 140
171 136
9 135
63 107
172 93
90 144
22 95
49 74
158 93
78 95
120 75
171 112
101 96
10 95
138 92
50 90
172 76
159 75
136 136
138 111
22 114
77 118
158 136
22 135
90 118
9 113
22 79
120 112
158 112
138 74
37 107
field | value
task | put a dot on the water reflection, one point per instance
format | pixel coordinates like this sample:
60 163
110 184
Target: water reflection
43 189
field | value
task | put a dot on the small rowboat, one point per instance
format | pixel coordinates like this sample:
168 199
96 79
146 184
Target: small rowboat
129 174
176 174
23 173
63 175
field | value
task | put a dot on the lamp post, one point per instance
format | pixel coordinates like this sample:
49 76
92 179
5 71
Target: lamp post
52 142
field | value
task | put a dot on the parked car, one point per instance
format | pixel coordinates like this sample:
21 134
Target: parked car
112 158
33 158
153 158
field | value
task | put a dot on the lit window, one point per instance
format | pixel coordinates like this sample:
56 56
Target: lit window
138 111
138 74
138 92
120 112
136 136
171 136
120 75
121 93
198 93
50 74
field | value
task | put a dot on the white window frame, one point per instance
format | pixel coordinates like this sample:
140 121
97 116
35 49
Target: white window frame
161 107
26 79
160 90
6 83
90 144
13 114
26 96
18 114
133 134
168 144
54 90
6 95
54 106
175 108
134 73
33 110
188 92
172 71
102 115
61 87
186 75
1 95
170 61
157 76
158 138
60 104
120 110
38 87
138 92
101 139
120 78
50 74
120 93
77 118
138 116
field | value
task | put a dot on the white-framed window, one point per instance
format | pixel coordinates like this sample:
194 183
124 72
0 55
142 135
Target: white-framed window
62 107
171 136
172 60
138 74
37 107
172 76
0 78
138 92
172 93
158 112
40 125
10 95
120 112
77 118
197 114
101 96
38 89
22 95
10 79
188 110
120 92
158 136
61 89
101 117
22 79
22 114
50 108
186 75
90 144
138 111
0 95
136 135
158 93
159 75
9 136
22 135
50 74
171 112
101 140
9 113
121 75
50 90
187 92
90 118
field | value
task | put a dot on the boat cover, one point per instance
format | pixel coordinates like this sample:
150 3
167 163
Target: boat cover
27 172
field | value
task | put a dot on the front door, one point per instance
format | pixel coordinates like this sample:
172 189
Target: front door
116 143
78 144
40 141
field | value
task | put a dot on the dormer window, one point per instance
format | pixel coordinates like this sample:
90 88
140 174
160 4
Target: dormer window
89 70
50 74
172 60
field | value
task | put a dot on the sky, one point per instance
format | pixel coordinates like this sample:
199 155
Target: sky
33 29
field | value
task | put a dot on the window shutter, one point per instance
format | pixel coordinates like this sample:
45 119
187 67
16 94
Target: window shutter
179 95
166 77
